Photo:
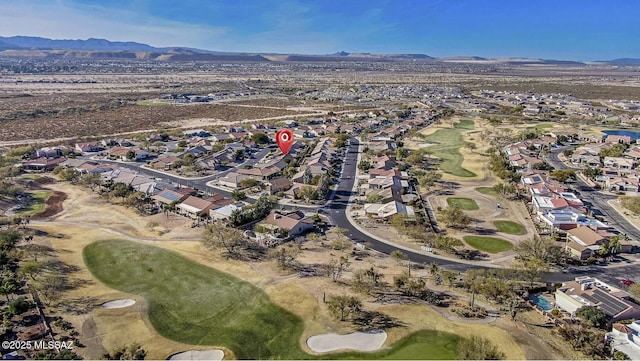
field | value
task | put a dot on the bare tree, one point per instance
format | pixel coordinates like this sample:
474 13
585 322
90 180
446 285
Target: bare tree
336 267
219 235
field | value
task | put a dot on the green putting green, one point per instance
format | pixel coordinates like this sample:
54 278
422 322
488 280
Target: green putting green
488 191
447 148
195 304
37 203
488 244
420 345
509 227
466 204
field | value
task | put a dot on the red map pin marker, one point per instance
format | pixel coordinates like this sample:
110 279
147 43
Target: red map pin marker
284 138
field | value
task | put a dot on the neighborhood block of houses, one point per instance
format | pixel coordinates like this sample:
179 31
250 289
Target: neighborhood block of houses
556 207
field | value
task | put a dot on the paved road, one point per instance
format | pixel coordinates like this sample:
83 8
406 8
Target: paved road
597 200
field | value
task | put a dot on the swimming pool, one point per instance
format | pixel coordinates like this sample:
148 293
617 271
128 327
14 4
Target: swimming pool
542 302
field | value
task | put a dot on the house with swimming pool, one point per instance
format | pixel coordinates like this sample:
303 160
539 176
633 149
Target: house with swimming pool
617 304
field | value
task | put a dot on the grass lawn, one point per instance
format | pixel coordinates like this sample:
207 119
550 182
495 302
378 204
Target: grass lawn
30 176
541 126
151 103
36 205
488 244
466 204
509 227
195 304
421 345
488 191
447 148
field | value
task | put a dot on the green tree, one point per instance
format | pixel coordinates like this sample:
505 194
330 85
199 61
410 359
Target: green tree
478 348
307 176
8 287
323 186
564 175
121 190
401 153
50 354
619 355
131 155
31 269
308 193
343 306
531 268
455 217
542 248
129 352
335 267
260 138
374 198
188 160
366 280
218 235
592 315
592 173
91 180
634 290
447 243
286 256
248 183
364 165
238 195
69 174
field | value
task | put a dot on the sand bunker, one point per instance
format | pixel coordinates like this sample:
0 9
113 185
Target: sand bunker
359 341
198 355
119 303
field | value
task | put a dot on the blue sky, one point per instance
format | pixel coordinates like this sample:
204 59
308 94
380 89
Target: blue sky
559 29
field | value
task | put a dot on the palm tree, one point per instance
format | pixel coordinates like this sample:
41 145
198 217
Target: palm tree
8 288
614 245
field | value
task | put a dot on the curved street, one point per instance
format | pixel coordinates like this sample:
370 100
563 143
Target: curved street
596 200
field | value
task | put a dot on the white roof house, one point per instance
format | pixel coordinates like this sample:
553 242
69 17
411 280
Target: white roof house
384 210
626 338
224 212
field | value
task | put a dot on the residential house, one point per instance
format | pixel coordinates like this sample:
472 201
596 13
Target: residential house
88 147
42 164
165 163
625 338
623 184
224 212
167 197
589 291
619 163
51 152
260 173
275 185
583 242
613 139
295 222
387 210
194 207
233 180
569 218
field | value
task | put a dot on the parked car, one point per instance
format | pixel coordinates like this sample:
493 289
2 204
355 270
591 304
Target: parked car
627 282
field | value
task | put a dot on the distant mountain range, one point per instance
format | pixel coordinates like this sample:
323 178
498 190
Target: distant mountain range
102 48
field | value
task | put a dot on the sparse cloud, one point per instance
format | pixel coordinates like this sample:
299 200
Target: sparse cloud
59 20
